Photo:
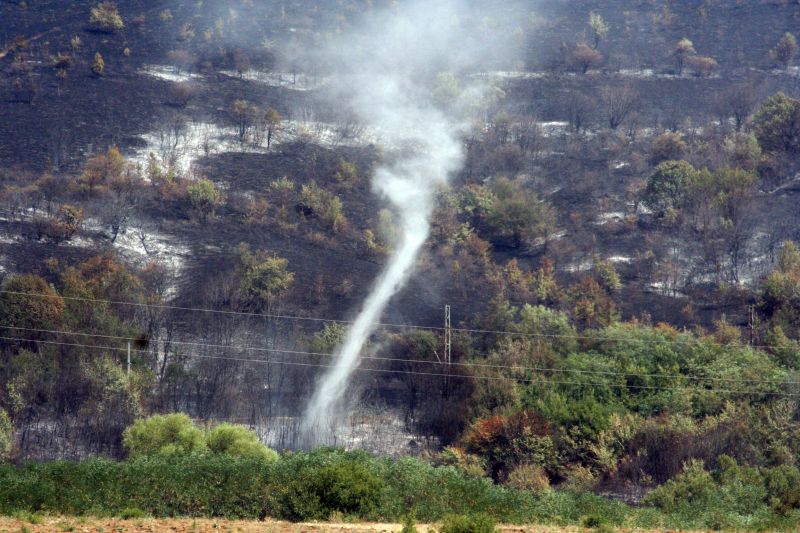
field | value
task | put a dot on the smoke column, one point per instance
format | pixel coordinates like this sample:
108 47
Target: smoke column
388 68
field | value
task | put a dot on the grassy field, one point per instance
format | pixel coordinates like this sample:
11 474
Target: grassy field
106 525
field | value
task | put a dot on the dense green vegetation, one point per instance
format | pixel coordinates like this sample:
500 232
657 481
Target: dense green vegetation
330 482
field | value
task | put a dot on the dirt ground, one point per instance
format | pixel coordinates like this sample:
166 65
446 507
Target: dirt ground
107 525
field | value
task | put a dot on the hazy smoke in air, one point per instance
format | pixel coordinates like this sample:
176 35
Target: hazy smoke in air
388 74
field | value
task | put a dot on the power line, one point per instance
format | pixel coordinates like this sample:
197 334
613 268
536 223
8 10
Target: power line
408 372
687 342
421 361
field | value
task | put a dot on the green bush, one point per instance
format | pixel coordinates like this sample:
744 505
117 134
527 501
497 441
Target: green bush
188 485
105 17
329 482
170 434
132 512
783 487
475 523
6 437
409 524
238 441
693 486
348 487
775 123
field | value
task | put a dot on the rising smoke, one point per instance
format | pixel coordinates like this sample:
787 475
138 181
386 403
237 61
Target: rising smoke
387 73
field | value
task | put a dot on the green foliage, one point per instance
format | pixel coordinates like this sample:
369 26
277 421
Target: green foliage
693 486
667 185
262 277
318 203
187 485
783 487
469 464
204 196
348 487
599 28
505 442
776 124
329 338
409 524
473 523
130 513
516 216
175 435
528 477
6 437
548 323
105 17
607 275
238 441
172 434
310 485
346 174
780 296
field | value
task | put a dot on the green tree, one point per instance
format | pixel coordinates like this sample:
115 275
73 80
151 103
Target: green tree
329 338
776 124
606 274
262 277
517 216
667 185
599 28
204 197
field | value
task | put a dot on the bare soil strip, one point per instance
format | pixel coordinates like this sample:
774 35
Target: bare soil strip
52 524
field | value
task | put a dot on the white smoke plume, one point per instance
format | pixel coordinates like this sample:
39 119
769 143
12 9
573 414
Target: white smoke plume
387 73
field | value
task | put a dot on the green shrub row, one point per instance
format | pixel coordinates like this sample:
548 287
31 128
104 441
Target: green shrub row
329 482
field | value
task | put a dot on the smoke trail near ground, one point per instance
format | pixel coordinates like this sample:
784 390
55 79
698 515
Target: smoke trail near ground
390 70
